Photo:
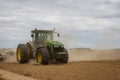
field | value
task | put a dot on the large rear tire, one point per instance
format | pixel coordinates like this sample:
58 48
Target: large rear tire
42 56
22 54
29 48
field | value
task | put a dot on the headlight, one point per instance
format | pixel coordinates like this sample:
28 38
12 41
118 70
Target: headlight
56 46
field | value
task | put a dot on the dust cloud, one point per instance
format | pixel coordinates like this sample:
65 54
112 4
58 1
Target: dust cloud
105 49
9 54
78 54
85 54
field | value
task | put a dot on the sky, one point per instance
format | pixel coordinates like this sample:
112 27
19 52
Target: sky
81 23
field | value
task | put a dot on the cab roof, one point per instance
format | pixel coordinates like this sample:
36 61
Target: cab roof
42 31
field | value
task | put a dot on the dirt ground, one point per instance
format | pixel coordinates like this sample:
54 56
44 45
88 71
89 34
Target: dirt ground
6 75
84 64
109 70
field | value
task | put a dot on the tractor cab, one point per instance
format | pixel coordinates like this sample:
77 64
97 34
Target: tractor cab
40 36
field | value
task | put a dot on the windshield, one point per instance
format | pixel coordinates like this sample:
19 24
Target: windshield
41 37
45 36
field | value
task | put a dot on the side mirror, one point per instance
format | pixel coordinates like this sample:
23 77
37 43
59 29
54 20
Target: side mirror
58 34
32 35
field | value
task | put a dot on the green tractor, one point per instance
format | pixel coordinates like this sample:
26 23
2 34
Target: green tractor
42 48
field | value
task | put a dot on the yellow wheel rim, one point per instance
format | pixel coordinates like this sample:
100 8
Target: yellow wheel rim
39 57
19 54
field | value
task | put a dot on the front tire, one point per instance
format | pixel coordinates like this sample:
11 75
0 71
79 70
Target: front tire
64 57
42 56
22 54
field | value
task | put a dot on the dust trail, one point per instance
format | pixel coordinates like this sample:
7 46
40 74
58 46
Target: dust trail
67 39
78 54
9 54
108 41
94 55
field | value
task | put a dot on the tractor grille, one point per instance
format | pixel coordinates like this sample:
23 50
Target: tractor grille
58 49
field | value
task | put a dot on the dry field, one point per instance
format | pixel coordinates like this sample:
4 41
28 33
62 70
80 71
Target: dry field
71 71
84 64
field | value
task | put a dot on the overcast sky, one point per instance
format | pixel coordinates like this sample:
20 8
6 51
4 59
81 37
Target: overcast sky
82 23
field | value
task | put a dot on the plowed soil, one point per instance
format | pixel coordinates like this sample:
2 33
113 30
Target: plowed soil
109 70
84 64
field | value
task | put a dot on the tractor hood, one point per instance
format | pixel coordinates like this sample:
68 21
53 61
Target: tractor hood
55 43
